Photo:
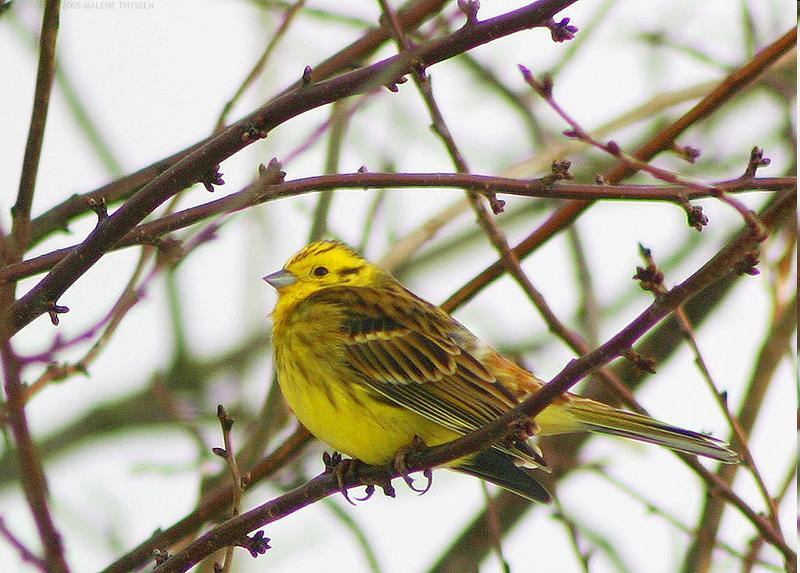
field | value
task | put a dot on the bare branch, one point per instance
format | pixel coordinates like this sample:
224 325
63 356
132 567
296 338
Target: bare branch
33 147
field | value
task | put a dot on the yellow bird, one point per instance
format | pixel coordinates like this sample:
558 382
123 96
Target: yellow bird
367 366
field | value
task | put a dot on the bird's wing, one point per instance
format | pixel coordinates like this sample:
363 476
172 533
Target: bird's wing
415 355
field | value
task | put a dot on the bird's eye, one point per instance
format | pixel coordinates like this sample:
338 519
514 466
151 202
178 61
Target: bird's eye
320 271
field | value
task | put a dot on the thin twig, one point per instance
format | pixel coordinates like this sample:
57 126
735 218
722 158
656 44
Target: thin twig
374 208
229 454
588 309
788 484
258 67
338 122
34 482
203 163
325 484
770 355
573 535
663 140
262 192
131 295
545 89
33 147
213 504
669 517
24 553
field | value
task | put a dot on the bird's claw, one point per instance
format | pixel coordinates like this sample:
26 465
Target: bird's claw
368 491
427 473
340 468
344 468
400 466
370 483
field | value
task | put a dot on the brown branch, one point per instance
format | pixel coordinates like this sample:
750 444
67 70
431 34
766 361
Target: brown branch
663 140
59 216
274 38
562 451
33 147
24 553
228 453
213 505
652 279
34 482
264 191
545 89
789 483
698 557
204 161
722 264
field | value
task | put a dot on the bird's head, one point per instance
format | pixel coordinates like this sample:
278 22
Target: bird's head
324 264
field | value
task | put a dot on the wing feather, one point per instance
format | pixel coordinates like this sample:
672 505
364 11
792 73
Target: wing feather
413 354
382 351
375 368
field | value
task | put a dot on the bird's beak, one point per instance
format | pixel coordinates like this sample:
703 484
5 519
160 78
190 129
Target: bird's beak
280 279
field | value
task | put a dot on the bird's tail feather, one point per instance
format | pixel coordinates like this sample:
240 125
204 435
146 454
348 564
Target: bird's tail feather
499 469
596 417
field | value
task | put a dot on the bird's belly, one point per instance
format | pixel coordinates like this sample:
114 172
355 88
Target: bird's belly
348 418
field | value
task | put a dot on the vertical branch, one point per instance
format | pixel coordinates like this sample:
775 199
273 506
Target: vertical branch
588 309
24 553
581 556
757 544
33 147
226 423
258 67
493 525
664 139
698 557
338 124
34 483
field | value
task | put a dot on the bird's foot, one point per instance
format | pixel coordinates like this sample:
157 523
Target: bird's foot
342 469
524 430
348 470
400 466
519 438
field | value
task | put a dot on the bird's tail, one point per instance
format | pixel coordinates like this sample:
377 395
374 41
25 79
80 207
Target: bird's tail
596 417
498 468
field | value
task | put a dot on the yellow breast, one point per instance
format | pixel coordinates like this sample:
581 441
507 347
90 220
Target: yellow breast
330 401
